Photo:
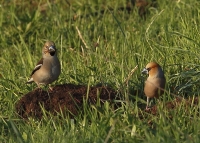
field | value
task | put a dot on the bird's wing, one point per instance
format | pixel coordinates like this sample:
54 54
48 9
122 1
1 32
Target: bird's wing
38 66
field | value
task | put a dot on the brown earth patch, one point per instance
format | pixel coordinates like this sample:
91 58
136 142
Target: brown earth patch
170 106
67 98
174 104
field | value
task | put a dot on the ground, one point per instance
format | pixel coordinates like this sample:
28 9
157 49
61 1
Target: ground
69 98
66 97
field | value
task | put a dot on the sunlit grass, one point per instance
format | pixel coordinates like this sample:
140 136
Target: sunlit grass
112 44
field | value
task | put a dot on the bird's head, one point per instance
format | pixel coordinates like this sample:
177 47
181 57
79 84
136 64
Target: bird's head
153 69
49 48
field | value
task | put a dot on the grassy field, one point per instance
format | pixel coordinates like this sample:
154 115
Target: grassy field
99 42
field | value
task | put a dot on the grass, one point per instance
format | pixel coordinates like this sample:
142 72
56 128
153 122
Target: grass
112 44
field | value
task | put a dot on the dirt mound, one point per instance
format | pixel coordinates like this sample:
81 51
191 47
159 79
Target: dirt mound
69 99
66 98
178 101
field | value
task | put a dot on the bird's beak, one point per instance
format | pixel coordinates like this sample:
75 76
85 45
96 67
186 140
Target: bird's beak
51 49
145 71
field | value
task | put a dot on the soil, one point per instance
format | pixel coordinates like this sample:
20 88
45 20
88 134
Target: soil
178 101
68 99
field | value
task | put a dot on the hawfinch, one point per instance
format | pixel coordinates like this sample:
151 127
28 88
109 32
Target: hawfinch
48 68
155 83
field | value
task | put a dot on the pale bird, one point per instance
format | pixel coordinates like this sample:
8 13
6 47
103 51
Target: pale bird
48 68
155 83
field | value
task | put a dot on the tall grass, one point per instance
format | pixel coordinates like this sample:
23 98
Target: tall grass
112 44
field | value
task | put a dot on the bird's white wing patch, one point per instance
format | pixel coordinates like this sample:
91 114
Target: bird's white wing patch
38 66
30 80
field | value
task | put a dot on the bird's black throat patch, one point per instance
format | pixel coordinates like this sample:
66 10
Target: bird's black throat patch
52 53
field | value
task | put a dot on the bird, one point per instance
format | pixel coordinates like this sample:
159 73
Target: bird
48 68
155 83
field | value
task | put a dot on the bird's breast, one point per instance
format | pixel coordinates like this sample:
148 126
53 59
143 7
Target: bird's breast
154 87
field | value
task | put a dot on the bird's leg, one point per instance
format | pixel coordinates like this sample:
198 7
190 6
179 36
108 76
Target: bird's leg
147 107
38 86
51 88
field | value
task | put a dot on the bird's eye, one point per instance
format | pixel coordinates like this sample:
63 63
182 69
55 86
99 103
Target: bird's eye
148 69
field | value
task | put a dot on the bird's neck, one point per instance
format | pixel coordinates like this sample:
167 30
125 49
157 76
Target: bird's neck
157 74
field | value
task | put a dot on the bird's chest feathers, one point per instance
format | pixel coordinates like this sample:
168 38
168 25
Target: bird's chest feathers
155 81
151 81
51 67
